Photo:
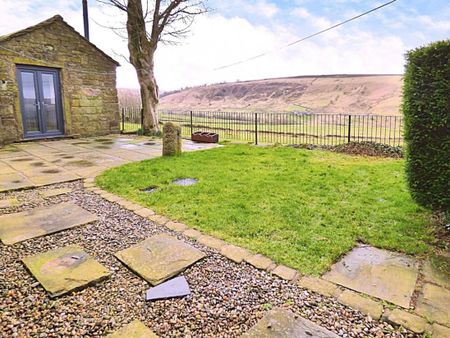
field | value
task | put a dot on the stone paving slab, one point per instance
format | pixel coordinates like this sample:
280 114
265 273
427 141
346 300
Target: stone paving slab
437 271
407 320
6 169
14 181
175 287
434 304
11 151
21 162
53 178
379 273
365 305
318 285
66 269
159 258
235 253
440 331
135 329
285 272
280 323
38 222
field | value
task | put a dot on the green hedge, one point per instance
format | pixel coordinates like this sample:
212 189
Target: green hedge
426 108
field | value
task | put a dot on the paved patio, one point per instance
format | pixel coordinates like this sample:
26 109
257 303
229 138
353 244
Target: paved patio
32 164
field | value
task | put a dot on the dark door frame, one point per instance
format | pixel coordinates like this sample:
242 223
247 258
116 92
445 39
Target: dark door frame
38 71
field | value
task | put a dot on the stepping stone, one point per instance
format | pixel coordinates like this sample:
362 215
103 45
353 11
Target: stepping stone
136 329
55 192
284 324
14 181
9 203
159 258
38 222
434 304
66 269
379 273
177 287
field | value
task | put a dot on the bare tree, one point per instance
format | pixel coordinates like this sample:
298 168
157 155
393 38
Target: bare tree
164 21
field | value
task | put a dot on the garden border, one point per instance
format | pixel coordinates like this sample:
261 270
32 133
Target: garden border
373 307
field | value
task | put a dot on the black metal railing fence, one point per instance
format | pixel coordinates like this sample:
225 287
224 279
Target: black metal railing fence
131 120
284 128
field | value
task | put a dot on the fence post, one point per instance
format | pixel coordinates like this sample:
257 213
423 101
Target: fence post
256 128
192 123
123 119
349 128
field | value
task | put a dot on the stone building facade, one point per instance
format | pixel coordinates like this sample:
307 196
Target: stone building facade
54 82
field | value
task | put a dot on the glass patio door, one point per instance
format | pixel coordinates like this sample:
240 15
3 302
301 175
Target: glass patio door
40 100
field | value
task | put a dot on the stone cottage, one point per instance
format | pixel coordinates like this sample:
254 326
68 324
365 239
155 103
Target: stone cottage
54 82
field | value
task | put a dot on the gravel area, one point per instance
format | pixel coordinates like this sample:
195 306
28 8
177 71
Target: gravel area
226 300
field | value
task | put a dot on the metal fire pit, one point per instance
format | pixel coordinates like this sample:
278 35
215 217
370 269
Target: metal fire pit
205 137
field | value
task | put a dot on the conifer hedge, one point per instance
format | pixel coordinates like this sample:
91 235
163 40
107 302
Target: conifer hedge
426 109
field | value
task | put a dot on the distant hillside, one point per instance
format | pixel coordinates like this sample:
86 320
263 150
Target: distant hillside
356 94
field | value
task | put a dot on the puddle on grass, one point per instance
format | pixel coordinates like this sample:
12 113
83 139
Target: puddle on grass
81 163
151 189
185 181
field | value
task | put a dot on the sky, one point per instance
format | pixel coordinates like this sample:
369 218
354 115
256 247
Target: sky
234 30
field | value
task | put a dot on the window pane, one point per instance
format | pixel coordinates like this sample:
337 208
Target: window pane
29 101
49 101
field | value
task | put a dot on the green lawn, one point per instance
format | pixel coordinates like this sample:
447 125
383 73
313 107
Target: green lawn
301 208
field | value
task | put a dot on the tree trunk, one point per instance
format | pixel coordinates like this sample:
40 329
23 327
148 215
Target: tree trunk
150 99
141 57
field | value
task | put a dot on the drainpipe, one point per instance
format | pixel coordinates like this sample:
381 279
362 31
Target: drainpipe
86 19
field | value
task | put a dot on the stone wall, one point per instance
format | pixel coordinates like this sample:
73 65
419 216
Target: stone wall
88 80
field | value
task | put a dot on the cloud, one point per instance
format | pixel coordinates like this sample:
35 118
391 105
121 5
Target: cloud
240 29
259 9
216 41
315 21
